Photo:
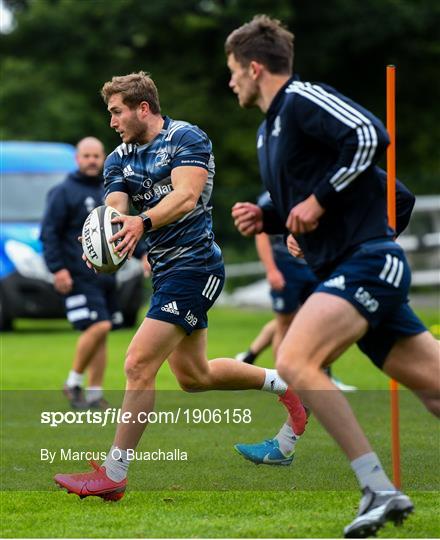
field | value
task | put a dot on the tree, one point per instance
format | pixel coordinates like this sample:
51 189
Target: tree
62 51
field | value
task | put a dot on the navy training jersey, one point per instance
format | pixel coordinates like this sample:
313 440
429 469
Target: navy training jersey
144 173
67 207
316 141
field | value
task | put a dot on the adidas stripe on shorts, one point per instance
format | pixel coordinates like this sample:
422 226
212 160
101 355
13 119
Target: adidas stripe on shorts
184 297
375 279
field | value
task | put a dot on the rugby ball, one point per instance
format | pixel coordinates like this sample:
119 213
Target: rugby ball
97 230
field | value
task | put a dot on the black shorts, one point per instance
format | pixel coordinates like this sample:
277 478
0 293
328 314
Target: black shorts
89 303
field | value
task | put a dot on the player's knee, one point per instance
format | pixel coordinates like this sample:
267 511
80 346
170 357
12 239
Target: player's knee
298 377
101 328
294 369
137 367
192 382
288 370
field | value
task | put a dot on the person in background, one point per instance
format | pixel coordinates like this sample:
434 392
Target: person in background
90 299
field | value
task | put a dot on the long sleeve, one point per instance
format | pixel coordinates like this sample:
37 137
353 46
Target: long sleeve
53 224
357 137
272 222
405 201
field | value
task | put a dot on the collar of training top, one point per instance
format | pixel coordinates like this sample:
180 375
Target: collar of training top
279 96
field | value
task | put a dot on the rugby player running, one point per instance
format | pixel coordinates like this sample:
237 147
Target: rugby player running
165 168
318 151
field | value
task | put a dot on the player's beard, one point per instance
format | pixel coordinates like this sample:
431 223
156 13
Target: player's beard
135 131
249 98
92 170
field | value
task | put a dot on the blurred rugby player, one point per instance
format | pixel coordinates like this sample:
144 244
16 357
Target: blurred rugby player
318 151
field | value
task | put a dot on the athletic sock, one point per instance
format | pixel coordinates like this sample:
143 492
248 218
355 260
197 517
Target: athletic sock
249 357
116 464
74 379
370 473
273 382
94 393
287 439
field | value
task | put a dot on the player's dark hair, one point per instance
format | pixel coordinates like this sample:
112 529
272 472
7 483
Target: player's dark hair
264 40
134 89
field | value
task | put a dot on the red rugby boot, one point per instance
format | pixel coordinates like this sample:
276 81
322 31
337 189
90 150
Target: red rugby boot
96 484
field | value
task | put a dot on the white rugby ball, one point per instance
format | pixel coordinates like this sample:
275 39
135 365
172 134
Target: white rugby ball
97 230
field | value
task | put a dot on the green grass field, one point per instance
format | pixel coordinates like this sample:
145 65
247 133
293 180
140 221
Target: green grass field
216 493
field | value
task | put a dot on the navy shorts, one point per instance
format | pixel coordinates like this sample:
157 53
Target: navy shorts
375 279
300 283
89 303
184 298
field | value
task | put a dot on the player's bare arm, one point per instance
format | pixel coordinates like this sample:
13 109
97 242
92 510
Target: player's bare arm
188 184
304 217
119 201
248 218
274 276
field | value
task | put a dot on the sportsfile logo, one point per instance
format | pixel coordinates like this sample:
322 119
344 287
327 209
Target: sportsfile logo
171 308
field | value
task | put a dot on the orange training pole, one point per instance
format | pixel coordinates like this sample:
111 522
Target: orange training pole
391 207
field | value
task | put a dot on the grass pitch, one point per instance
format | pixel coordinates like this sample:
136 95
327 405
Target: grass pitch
217 494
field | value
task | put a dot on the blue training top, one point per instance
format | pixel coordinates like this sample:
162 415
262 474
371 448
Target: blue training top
144 173
68 205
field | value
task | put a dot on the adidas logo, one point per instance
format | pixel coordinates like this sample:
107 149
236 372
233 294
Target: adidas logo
336 283
127 171
171 308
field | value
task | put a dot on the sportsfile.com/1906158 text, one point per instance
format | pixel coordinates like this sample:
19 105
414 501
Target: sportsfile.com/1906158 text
116 416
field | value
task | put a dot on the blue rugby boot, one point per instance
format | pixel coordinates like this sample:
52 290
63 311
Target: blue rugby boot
267 453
